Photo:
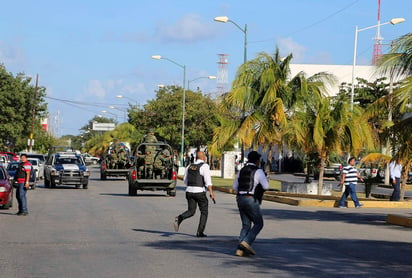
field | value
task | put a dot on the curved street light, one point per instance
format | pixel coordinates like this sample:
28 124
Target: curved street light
206 77
393 21
226 19
182 148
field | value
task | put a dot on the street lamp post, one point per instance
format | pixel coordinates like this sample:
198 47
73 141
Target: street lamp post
225 19
121 110
122 96
208 77
393 21
105 111
182 148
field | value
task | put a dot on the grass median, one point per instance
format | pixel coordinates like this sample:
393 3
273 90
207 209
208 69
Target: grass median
228 183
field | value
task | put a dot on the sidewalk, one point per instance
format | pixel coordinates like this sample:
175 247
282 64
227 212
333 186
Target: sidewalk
308 200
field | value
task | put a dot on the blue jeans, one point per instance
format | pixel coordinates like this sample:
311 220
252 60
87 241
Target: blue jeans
249 210
21 197
350 190
396 195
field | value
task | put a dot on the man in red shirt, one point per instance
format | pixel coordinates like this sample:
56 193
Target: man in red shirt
22 178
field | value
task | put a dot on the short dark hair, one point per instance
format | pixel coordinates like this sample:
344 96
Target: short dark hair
350 159
253 156
23 154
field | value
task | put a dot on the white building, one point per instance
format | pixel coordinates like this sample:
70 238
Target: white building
342 72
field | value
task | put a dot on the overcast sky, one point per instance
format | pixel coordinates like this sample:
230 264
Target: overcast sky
89 51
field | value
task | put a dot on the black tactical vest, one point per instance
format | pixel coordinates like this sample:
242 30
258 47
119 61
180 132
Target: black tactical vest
193 175
20 173
246 178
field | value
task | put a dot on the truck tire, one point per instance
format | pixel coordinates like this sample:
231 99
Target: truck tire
103 176
171 193
52 184
132 190
85 186
46 182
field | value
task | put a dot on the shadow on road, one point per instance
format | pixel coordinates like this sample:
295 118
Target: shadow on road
307 257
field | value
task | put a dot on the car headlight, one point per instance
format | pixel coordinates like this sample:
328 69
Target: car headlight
86 173
3 189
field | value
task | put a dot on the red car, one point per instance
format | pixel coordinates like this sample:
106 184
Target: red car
6 189
12 156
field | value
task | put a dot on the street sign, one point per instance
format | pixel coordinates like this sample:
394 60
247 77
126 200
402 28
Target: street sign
104 126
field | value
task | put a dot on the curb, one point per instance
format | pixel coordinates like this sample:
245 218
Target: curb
307 200
399 220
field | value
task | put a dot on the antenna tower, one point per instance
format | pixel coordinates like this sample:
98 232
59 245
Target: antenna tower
377 47
222 74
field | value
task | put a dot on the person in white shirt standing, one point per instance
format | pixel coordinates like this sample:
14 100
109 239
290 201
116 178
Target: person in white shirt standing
197 179
395 170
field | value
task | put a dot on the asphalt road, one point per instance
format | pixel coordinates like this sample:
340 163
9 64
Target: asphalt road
102 232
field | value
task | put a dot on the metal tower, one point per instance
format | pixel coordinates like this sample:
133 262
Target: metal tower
222 74
377 47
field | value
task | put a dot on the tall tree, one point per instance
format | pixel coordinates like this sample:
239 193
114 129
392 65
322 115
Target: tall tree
164 114
19 100
398 64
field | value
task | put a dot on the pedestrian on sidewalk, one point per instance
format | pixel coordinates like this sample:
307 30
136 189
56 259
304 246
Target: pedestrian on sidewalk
249 186
395 170
350 177
197 179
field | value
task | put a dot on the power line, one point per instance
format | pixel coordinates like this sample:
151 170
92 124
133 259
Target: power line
311 25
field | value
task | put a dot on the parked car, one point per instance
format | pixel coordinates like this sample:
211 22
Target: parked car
6 189
66 168
12 156
12 168
369 170
89 159
4 160
332 170
410 176
38 167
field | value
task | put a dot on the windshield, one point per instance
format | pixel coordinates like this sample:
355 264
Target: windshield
13 166
69 160
33 162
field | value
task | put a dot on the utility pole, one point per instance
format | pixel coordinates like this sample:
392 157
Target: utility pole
33 114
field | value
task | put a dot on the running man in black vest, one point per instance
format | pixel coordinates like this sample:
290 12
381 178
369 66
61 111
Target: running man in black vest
249 185
197 179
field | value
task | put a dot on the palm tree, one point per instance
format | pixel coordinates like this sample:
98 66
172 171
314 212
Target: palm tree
257 102
324 126
398 64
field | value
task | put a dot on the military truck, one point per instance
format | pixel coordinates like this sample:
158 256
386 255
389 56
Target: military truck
154 169
116 162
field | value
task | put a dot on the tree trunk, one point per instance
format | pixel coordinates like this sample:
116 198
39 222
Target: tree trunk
404 178
269 159
321 171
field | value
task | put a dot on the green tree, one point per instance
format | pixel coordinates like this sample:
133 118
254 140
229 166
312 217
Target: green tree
398 64
164 114
17 102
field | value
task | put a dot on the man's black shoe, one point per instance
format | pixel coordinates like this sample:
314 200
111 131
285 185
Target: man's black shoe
19 213
201 235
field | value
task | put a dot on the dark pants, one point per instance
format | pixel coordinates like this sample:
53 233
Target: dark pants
249 210
396 194
201 200
21 197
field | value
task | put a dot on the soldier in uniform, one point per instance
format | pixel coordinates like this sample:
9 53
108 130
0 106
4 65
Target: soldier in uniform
162 161
146 170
